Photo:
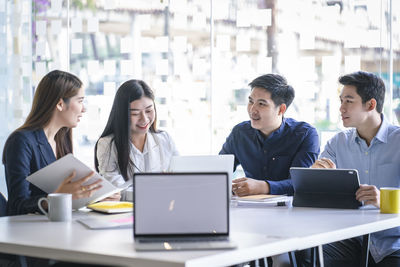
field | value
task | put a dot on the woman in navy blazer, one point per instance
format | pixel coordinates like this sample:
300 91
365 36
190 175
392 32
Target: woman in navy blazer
45 137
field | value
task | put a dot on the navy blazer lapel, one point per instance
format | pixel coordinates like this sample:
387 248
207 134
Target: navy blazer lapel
44 146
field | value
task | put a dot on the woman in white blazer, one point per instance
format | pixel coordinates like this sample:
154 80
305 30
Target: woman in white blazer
130 141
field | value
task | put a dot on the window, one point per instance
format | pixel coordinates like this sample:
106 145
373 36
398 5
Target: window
198 57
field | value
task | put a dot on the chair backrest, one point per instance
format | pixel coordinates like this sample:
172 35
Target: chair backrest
3 205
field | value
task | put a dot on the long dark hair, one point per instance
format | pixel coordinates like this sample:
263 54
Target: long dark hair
119 122
54 86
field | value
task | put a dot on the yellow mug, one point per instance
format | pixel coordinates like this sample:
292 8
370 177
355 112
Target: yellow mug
390 200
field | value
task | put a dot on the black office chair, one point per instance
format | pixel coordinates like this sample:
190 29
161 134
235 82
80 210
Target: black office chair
8 259
3 205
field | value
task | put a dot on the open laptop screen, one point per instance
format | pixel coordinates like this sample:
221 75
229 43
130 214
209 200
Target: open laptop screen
181 204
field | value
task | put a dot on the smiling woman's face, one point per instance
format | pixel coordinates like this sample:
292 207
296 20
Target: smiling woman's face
142 115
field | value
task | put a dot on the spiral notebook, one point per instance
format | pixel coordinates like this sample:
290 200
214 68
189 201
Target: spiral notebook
112 206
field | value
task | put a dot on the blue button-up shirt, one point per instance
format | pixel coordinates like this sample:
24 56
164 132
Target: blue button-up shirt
378 164
293 144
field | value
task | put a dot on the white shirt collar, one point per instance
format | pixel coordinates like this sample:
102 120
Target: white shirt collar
149 145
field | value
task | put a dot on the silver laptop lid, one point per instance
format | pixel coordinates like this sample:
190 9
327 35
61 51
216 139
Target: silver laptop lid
181 204
205 163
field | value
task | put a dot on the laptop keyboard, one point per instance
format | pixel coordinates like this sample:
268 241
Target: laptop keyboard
186 239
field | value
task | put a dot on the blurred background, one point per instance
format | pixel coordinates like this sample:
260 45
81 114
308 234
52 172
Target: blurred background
198 56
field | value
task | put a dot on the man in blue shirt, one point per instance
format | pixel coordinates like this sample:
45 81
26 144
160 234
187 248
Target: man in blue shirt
372 147
269 144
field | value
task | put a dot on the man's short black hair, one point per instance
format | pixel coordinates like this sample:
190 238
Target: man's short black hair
281 91
368 86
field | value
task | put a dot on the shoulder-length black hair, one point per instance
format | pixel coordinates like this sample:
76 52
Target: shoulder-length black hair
119 122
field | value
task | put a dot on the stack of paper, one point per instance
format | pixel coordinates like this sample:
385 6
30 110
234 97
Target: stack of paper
263 200
108 221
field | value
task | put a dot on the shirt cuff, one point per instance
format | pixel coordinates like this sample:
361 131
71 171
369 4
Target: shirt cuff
280 187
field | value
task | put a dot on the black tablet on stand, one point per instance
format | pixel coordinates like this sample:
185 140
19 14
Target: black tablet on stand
325 188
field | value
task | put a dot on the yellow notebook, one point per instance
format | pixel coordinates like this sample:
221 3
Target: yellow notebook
112 206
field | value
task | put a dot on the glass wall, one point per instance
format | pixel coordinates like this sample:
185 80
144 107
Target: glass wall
396 61
15 68
198 56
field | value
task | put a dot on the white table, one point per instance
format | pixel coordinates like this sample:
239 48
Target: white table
311 226
259 232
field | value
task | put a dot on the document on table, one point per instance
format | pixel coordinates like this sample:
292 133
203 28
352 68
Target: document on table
117 221
262 200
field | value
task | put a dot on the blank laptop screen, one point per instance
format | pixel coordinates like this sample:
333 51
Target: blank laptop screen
181 204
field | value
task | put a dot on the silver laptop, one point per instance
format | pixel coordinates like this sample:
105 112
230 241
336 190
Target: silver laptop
181 211
204 163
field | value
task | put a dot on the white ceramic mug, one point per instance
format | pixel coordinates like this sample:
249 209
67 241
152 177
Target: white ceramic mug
59 207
